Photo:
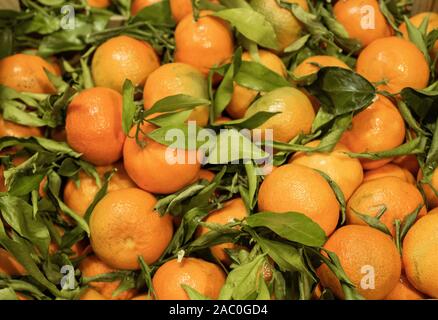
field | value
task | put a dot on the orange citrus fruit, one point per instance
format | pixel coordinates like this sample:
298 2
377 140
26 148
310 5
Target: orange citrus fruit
389 170
94 125
79 197
243 97
393 64
404 291
12 129
287 28
99 3
92 266
157 168
203 43
121 58
377 128
205 277
369 258
400 198
124 226
420 255
91 294
233 210
408 162
138 5
9 265
313 64
295 188
182 8
346 172
178 78
362 19
25 73
295 116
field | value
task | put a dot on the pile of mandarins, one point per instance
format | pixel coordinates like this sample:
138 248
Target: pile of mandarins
125 225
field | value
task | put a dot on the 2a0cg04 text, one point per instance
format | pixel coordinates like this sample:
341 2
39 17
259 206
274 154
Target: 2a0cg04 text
232 309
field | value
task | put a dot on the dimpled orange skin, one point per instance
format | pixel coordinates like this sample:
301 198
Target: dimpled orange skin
178 78
377 128
94 125
394 61
182 8
399 197
408 162
91 294
121 58
354 16
138 5
25 73
203 43
420 255
124 225
389 170
404 291
12 129
9 265
99 3
346 172
296 113
296 188
233 210
92 266
359 246
430 192
243 97
205 277
417 20
79 198
308 67
287 28
151 167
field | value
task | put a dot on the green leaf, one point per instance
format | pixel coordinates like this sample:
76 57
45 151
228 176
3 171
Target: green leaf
224 92
373 222
298 44
342 91
171 119
129 106
19 215
417 38
241 283
250 122
244 20
292 226
415 146
8 294
146 272
6 42
286 256
14 114
193 294
256 76
156 13
176 103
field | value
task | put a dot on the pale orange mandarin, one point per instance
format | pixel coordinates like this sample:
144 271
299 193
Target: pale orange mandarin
9 265
205 277
430 189
203 43
400 199
390 170
121 58
296 188
313 64
404 291
25 73
362 19
377 128
155 167
393 64
138 5
359 248
93 125
125 225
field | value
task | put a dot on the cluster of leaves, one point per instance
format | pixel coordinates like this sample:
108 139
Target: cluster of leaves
282 251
